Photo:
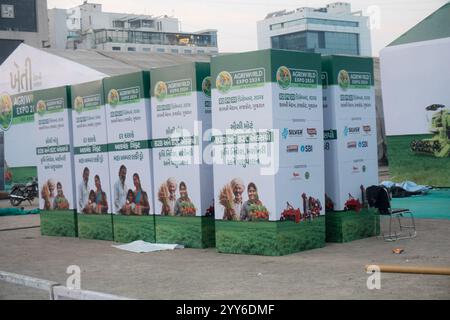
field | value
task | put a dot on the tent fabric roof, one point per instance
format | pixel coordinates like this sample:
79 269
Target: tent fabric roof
435 26
115 63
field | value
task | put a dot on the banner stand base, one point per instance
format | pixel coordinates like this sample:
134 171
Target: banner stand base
269 238
59 223
346 226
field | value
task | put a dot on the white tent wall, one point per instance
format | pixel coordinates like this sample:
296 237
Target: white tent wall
29 69
414 76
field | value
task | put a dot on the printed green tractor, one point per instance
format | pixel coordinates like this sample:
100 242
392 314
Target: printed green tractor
439 144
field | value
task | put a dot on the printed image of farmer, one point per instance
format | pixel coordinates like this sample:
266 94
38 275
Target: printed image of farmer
238 187
253 199
45 195
120 191
184 205
167 196
101 200
61 202
83 191
140 197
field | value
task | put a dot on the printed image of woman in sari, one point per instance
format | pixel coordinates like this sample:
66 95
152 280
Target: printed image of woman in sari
140 197
60 203
101 199
184 205
253 209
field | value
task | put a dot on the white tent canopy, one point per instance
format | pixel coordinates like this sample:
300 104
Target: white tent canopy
29 69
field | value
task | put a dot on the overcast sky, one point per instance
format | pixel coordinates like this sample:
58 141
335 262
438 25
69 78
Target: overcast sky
236 20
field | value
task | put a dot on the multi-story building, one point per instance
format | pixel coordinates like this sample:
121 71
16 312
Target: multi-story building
87 26
22 21
334 29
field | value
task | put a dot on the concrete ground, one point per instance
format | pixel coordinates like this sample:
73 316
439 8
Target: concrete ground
334 272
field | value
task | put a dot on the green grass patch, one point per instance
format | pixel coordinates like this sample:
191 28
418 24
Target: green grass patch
269 237
346 226
58 223
132 228
420 168
95 226
192 232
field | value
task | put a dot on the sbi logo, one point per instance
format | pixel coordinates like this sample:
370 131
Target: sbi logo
363 144
306 148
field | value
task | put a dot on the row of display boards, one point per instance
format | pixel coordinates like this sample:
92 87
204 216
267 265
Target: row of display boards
236 154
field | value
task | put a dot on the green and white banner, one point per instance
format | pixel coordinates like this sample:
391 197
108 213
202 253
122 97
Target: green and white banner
54 153
93 193
128 118
16 119
350 127
181 113
268 139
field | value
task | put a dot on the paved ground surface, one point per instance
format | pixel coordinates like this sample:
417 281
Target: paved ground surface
334 272
5 203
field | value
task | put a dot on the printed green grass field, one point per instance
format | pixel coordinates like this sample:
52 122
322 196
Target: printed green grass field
192 232
420 168
132 228
269 238
93 226
59 223
350 225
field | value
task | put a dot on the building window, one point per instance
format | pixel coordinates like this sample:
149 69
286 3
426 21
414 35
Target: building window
200 51
116 48
148 24
8 11
131 49
174 50
188 51
323 42
339 23
118 24
146 49
18 15
160 50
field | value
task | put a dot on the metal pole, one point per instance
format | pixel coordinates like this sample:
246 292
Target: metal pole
414 270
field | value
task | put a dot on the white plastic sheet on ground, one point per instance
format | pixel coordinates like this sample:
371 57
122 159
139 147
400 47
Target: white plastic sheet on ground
140 246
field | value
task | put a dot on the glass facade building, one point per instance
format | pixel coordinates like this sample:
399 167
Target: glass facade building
324 42
160 38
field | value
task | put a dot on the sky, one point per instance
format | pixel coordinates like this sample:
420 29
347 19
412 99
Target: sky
236 20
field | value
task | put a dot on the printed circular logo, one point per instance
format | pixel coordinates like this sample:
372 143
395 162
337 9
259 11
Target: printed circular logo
160 90
41 107
224 81
307 175
6 111
206 86
113 97
284 77
343 79
78 104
